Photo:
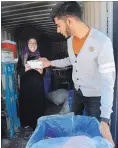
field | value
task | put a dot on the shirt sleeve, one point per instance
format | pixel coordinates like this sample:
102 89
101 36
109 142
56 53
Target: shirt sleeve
61 63
107 71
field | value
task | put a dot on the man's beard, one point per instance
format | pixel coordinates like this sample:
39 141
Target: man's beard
68 32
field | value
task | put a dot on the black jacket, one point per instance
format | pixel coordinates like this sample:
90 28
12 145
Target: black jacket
21 64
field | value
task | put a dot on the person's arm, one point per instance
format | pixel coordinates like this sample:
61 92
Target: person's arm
61 63
56 63
107 71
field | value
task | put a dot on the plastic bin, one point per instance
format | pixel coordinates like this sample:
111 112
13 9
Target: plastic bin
47 84
47 81
11 45
56 126
70 98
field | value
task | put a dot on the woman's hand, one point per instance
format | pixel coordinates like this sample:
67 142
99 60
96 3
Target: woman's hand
27 67
39 70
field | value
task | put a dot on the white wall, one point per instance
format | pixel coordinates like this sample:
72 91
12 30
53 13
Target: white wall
99 14
5 35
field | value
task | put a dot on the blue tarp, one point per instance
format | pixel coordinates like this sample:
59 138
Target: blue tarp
65 127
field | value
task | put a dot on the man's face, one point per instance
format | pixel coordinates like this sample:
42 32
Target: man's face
62 27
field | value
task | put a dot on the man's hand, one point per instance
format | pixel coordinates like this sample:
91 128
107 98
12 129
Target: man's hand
105 131
27 67
45 61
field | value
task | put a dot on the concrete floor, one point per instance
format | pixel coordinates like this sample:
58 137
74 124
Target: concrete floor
19 140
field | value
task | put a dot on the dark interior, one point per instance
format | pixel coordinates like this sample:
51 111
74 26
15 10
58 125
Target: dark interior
24 19
32 19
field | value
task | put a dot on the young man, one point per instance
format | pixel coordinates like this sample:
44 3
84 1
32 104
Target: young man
91 55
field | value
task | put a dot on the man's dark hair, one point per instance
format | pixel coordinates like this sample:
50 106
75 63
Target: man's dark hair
66 8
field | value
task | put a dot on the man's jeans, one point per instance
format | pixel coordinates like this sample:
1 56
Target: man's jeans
90 104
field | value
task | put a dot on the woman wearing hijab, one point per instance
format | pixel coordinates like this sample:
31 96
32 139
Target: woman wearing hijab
31 92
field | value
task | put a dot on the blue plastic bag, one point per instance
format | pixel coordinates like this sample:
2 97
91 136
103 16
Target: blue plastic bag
64 126
73 142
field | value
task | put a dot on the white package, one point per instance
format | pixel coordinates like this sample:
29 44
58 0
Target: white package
35 64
